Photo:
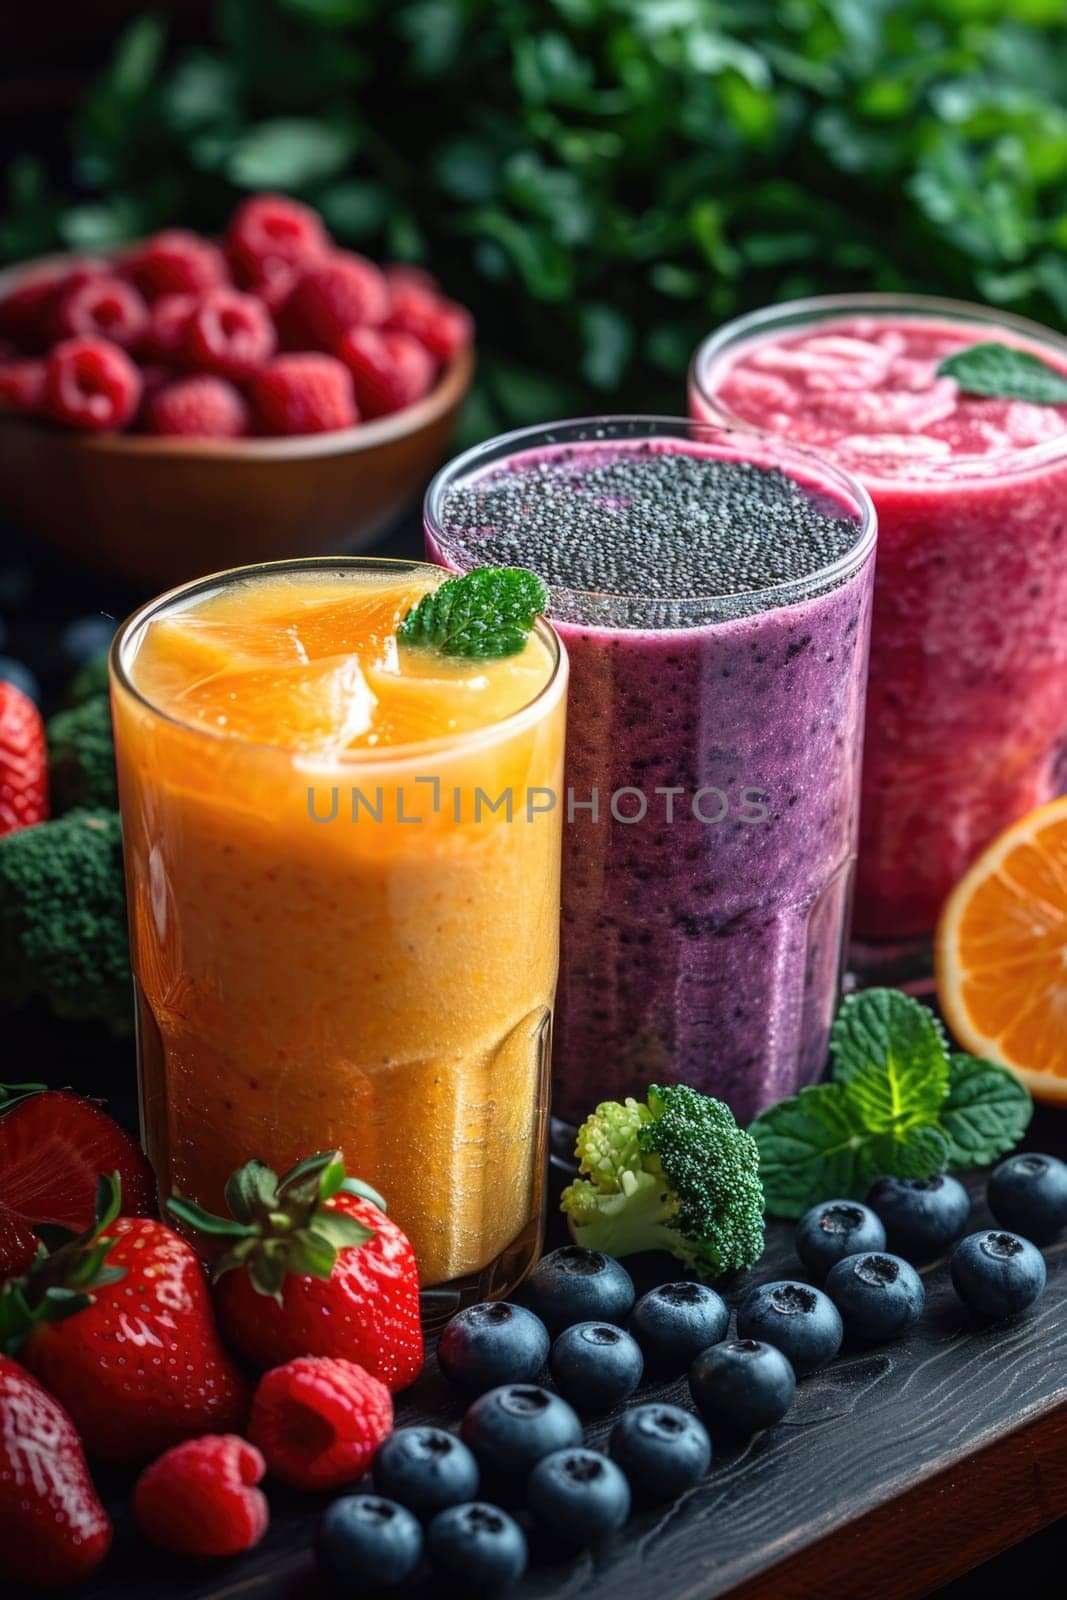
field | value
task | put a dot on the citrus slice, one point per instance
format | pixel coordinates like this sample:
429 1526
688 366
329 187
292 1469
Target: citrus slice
1001 953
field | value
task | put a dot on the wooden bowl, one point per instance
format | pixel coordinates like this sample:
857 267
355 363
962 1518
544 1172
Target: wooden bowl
155 511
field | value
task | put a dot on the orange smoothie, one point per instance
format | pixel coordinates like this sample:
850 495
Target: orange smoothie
340 937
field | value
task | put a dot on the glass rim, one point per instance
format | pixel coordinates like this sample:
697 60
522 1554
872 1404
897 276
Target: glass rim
817 307
134 625
582 430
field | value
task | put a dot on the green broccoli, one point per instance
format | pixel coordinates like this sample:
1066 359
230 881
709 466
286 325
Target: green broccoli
675 1173
90 679
81 757
63 919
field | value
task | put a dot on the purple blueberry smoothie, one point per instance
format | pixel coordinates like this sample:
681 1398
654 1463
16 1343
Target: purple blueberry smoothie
713 590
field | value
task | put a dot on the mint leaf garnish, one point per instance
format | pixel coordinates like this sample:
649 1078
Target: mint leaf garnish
485 614
818 1146
898 1106
1001 373
891 1051
808 1149
985 1113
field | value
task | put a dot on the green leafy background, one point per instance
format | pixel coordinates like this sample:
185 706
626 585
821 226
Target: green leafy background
602 180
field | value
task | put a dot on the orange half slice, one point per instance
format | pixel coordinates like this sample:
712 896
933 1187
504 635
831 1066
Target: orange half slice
1001 953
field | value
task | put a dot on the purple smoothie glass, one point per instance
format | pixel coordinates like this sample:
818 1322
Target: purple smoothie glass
706 901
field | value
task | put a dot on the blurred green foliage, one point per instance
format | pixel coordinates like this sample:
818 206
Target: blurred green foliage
602 180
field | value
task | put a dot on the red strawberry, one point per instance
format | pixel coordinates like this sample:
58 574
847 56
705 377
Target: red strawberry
319 1421
54 1148
23 761
323 1271
117 1324
200 1499
53 1529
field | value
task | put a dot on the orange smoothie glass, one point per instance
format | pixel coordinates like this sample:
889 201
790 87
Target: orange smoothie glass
342 864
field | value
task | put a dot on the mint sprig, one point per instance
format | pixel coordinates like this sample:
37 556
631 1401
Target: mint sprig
486 614
1000 373
898 1104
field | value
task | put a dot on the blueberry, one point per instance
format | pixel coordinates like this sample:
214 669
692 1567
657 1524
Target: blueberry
1028 1193
486 1345
511 1428
574 1285
85 638
367 1543
426 1469
596 1365
662 1449
833 1230
922 1216
477 1545
578 1495
12 671
878 1295
801 1321
673 1323
997 1274
741 1386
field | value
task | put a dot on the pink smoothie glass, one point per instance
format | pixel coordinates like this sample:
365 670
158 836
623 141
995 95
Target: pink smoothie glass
967 700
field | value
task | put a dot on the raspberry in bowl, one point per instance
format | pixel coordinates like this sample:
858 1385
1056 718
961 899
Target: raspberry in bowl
189 403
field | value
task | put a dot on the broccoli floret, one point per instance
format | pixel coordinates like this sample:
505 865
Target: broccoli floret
81 757
63 919
90 679
675 1174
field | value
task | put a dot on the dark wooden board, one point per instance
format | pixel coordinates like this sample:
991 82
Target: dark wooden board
898 1468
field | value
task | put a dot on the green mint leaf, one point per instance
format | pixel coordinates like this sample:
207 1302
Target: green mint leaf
890 1052
816 1146
985 1114
915 1152
1001 373
808 1149
485 614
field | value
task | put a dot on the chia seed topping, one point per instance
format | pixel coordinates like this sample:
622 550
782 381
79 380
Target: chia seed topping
649 523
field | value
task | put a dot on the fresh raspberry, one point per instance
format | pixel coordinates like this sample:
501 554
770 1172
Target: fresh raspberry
229 334
25 311
22 386
176 262
203 406
23 762
389 370
444 327
401 274
270 229
275 286
200 1499
343 292
319 1420
303 394
167 317
91 384
103 306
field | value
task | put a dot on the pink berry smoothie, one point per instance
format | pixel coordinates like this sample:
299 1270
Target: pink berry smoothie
713 591
967 700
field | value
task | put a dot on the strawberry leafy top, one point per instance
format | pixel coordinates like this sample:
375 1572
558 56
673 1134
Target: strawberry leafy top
282 1226
62 1282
